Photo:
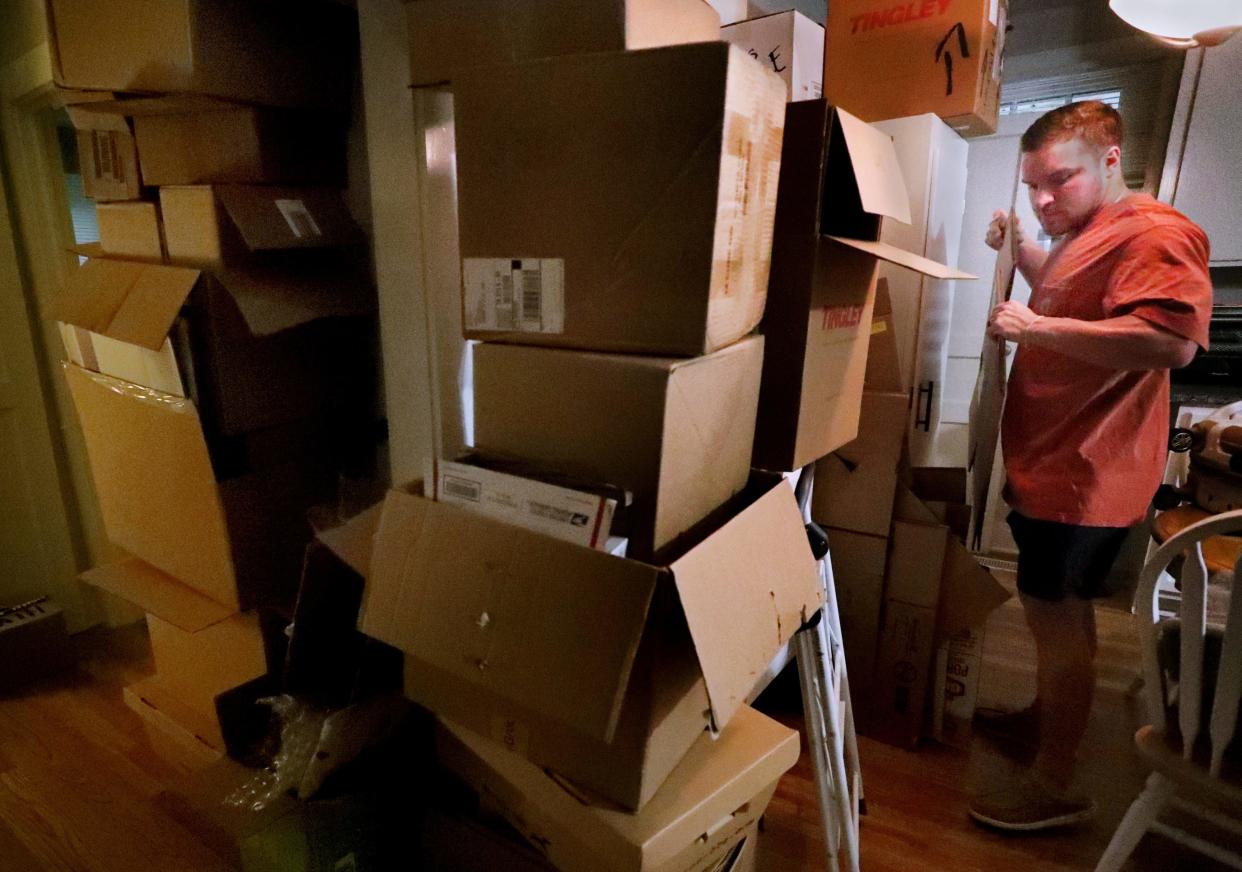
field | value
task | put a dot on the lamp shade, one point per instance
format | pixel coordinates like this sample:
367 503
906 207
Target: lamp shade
1182 22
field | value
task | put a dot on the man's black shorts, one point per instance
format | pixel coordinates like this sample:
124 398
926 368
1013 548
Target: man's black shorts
1055 560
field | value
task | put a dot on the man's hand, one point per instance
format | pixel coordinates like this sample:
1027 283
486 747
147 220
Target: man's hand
1011 320
996 230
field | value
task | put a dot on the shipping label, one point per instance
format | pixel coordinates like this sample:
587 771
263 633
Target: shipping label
524 294
301 222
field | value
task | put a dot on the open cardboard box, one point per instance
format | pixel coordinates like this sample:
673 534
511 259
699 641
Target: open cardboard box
677 433
197 140
620 201
269 54
694 823
894 60
449 35
245 342
603 669
839 177
935 589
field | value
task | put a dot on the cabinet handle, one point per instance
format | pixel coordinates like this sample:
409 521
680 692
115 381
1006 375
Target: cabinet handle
922 419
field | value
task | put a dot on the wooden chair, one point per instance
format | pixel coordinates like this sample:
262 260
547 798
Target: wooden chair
1192 719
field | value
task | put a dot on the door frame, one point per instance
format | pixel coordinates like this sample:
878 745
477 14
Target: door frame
60 489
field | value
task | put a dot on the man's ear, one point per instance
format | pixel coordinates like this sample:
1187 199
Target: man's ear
1112 159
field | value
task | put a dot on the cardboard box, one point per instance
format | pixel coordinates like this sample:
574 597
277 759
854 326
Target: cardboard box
855 487
883 362
707 806
256 53
565 514
176 733
130 230
196 667
226 226
858 570
959 660
107 150
601 668
838 177
676 433
196 140
447 36
790 44
620 201
890 60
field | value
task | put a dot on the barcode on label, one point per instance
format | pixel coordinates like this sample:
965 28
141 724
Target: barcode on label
532 298
298 217
461 488
104 156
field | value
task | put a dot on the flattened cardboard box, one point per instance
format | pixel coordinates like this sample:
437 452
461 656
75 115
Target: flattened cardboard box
449 35
891 60
858 570
601 668
197 550
790 44
269 54
704 810
620 201
838 177
676 433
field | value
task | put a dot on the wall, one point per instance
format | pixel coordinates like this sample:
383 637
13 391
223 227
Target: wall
24 27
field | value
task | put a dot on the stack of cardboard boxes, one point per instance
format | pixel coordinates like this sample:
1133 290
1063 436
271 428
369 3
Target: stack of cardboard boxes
912 599
617 179
218 335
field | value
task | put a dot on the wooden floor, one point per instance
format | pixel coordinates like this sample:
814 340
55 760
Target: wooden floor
917 800
78 779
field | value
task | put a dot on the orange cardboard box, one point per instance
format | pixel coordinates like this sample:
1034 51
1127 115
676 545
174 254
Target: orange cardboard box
892 58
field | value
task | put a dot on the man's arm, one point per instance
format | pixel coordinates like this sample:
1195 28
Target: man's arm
1124 342
1031 256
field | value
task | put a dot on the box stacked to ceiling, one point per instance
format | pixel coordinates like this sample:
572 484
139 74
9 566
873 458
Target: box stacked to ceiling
219 336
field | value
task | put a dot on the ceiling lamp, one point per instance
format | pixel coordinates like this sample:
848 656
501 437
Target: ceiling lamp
1183 23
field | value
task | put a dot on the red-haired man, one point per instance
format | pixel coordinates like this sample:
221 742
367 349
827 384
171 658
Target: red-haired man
1123 297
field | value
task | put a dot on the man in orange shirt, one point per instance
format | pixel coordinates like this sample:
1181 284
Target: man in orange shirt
1123 297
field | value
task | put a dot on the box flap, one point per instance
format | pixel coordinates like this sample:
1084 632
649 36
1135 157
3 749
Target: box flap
968 592
280 296
901 257
746 589
125 300
271 219
876 169
506 613
158 593
353 541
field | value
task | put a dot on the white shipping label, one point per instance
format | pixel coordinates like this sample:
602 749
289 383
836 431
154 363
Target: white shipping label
301 222
523 294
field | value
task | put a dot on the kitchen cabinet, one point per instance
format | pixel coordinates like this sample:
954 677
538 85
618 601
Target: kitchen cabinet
1208 181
